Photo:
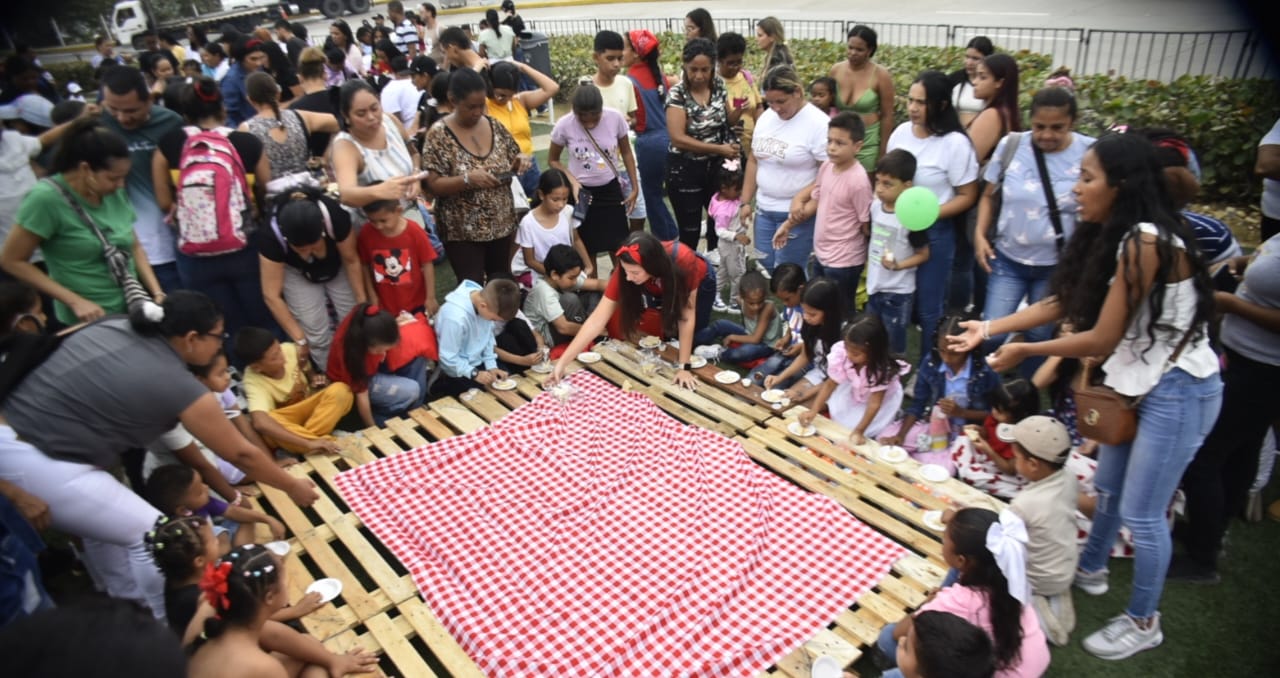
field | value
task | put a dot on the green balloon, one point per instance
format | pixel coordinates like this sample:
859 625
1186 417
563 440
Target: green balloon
917 208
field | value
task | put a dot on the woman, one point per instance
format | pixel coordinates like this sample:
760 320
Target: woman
316 97
511 108
214 62
385 53
340 36
800 129
865 89
196 36
962 98
159 67
995 84
131 384
279 66
1027 243
1134 292
469 159
698 24
596 138
640 56
700 123
371 160
659 289
772 40
91 163
946 165
250 56
308 262
283 135
497 40
230 279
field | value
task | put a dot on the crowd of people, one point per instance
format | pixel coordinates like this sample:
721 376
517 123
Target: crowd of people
230 248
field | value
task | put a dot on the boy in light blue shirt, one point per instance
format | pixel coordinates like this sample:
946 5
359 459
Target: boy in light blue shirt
464 331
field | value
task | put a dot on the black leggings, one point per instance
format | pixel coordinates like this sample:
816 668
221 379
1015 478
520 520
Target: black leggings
480 261
690 185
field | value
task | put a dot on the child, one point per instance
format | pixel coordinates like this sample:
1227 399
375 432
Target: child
981 458
822 93
894 252
619 94
21 309
191 69
285 407
399 268
787 284
841 199
761 324
562 298
516 343
732 233
990 593
1047 506
863 388
464 328
740 88
360 349
234 632
178 491
549 223
942 645
823 315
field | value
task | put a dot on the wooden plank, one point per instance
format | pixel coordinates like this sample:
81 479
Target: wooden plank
430 423
427 627
397 646
405 431
457 415
824 643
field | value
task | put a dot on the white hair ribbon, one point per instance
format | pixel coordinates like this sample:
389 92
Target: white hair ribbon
1007 542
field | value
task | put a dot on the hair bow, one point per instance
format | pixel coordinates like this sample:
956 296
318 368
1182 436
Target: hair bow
632 251
732 164
1007 542
371 310
214 585
1063 81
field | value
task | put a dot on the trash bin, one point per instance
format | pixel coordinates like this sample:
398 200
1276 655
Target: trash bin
537 52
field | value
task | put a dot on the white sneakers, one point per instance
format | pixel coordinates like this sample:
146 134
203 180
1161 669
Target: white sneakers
1122 638
1092 583
710 352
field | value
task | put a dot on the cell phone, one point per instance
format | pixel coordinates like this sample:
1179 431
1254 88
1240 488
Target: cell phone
505 177
1224 280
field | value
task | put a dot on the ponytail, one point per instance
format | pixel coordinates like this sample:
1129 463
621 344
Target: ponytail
236 587
368 325
183 311
968 532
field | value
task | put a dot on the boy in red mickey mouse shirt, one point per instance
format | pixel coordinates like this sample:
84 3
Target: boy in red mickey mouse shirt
397 257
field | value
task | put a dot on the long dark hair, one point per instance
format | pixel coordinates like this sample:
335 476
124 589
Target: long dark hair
968 533
824 295
251 573
89 140
1089 260
1005 69
653 61
940 116
184 311
658 263
702 19
867 332
261 88
202 99
1018 398
549 181
345 29
368 325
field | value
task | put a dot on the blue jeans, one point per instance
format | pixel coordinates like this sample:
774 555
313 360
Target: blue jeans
651 163
718 329
233 282
391 394
931 281
960 294
1007 285
799 240
774 364
889 647
894 310
529 180
1136 481
846 279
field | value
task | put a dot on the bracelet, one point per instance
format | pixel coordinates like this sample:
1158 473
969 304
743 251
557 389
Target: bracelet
986 329
466 178
236 501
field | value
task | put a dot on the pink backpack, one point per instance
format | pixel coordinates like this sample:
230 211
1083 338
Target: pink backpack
214 211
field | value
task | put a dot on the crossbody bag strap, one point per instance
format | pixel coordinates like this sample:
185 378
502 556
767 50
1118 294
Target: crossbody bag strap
1055 216
84 216
1012 140
613 167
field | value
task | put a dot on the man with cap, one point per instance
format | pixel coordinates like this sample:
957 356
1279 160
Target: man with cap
1048 506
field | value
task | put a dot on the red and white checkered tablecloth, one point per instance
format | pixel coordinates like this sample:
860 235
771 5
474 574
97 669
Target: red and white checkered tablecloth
603 538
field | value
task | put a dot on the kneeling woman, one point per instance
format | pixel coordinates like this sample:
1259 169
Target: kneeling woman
659 288
359 359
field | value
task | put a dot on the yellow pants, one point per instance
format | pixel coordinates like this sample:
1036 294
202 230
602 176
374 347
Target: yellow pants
314 417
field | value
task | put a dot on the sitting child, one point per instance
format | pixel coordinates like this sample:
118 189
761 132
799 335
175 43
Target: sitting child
761 326
823 315
517 345
178 491
863 389
991 592
358 360
787 284
283 405
465 331
942 645
549 223
562 298
1047 506
399 268
981 458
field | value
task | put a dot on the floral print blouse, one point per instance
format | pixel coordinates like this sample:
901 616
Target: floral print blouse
476 214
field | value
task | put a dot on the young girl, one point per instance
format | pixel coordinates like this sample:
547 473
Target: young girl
20 309
732 234
822 93
359 349
989 552
823 314
863 388
981 458
550 222
233 632
761 325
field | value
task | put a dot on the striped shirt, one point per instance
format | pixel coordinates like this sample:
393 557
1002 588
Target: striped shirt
406 34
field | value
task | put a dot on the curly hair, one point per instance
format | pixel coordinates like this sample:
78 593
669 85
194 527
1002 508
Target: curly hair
253 573
175 543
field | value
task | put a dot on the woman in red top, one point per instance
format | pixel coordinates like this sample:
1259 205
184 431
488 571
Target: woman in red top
659 288
357 359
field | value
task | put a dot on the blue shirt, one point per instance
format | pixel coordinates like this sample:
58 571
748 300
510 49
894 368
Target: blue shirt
466 340
234 97
956 387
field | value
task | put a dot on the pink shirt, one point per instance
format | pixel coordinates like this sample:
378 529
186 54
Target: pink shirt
841 371
725 214
971 606
580 156
844 205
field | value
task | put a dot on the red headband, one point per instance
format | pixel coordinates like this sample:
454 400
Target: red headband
643 41
214 585
633 250
207 97
371 310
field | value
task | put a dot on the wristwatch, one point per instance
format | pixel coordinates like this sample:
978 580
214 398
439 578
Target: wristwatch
301 342
686 367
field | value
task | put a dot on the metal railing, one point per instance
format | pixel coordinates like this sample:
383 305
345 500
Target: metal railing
1154 55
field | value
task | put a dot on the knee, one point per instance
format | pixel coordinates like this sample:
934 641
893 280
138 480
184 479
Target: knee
339 394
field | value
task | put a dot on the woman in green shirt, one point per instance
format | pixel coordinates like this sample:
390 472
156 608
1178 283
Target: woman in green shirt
93 163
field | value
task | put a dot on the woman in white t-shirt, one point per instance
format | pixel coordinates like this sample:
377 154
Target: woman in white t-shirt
788 146
945 164
497 41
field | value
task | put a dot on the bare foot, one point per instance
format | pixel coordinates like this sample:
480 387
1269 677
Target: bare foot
286 461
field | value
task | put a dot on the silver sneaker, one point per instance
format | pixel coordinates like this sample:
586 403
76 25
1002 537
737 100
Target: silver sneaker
1122 638
1092 583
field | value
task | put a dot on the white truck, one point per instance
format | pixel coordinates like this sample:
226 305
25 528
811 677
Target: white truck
130 19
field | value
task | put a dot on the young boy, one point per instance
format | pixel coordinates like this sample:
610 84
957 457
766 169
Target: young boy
562 299
1041 446
939 644
465 332
397 257
283 406
894 252
760 330
787 284
179 491
841 199
739 86
620 95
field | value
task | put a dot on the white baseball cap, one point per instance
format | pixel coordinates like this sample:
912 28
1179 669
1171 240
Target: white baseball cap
31 108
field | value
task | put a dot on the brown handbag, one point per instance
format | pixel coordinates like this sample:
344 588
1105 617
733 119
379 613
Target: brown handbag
1106 416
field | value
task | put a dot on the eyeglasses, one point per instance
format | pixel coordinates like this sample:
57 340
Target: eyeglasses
217 335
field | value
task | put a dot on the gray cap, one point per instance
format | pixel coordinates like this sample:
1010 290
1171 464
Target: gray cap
1042 437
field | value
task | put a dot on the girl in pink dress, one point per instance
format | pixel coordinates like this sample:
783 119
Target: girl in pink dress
863 389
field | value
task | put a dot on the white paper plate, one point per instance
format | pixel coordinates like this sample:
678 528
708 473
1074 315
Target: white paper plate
280 548
892 454
773 395
650 342
504 385
934 473
327 588
933 521
543 368
727 376
697 361
797 429
588 357
825 667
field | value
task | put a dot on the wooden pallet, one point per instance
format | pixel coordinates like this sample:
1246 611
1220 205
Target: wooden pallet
380 608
